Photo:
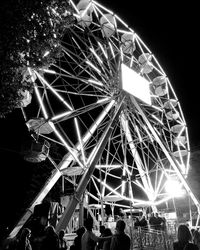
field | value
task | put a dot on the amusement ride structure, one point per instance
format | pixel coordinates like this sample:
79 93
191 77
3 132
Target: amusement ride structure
107 104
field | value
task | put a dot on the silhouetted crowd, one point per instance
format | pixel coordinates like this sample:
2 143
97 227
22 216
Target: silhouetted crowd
85 239
24 240
107 239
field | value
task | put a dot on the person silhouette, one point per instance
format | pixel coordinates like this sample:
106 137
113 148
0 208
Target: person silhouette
106 243
136 223
23 241
196 238
120 240
62 242
50 240
89 239
152 221
143 222
184 241
100 243
77 240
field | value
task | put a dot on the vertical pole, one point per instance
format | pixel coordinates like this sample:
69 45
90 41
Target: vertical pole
81 212
63 184
101 200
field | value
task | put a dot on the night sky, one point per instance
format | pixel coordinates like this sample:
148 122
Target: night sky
170 31
172 34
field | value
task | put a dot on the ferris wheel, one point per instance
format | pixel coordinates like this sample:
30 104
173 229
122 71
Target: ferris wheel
108 105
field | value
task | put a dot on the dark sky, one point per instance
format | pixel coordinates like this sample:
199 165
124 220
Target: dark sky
172 34
170 30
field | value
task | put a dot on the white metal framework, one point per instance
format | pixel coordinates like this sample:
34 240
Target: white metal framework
124 141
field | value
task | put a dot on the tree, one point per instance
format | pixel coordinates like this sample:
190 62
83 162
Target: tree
31 32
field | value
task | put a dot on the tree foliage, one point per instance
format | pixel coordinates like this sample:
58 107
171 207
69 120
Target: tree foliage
30 37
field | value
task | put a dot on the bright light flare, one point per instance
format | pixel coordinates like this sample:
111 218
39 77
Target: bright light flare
174 188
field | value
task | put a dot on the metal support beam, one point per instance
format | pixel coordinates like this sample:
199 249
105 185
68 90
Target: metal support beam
169 155
140 166
93 159
57 173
